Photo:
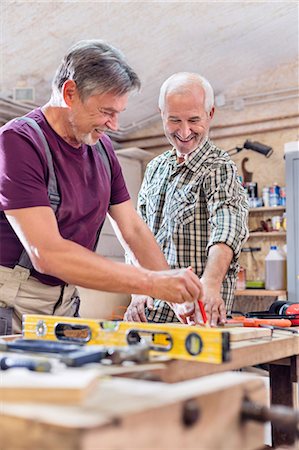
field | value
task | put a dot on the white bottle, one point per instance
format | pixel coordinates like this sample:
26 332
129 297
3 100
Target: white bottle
275 269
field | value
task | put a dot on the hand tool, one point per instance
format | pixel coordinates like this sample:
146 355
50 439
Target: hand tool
272 327
178 341
255 322
137 353
280 309
77 355
30 364
32 345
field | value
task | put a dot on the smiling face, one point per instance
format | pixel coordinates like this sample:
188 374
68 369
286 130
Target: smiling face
89 119
185 120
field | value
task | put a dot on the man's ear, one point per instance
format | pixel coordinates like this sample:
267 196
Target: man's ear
211 114
69 91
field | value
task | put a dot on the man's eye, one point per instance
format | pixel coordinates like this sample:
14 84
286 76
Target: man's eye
106 113
174 120
195 120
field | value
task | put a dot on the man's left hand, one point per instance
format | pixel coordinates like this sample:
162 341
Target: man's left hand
213 304
187 313
136 309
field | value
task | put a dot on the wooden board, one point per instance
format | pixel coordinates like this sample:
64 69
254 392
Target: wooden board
67 386
244 333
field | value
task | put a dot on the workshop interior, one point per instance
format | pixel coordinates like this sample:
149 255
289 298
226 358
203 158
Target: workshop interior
98 382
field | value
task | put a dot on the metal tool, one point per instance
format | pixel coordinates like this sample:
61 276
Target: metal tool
77 355
32 345
178 341
272 327
137 353
30 364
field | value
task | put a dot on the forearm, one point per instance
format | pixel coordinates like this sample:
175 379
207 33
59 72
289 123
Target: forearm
139 242
219 259
147 251
76 265
51 254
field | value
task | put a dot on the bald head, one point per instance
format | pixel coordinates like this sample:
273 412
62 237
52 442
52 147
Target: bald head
186 82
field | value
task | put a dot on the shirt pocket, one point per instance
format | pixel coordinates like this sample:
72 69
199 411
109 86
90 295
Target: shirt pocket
182 207
153 204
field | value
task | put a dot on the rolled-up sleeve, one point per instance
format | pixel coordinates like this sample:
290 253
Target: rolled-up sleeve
228 207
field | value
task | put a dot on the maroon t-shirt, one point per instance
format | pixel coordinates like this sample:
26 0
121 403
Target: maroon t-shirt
83 181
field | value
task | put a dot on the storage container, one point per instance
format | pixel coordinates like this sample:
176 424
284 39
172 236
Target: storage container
275 269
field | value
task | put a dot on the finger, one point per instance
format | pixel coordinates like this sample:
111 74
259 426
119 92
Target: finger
150 303
128 315
222 310
197 315
141 312
135 315
214 316
191 321
182 319
208 310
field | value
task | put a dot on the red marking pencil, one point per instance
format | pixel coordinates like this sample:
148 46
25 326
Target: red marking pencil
202 311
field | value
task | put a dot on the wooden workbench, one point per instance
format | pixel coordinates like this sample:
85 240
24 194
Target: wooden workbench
126 414
280 351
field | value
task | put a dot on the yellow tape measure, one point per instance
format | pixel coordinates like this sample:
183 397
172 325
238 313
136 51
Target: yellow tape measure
178 341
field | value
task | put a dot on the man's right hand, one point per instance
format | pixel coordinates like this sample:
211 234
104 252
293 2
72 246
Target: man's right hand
176 286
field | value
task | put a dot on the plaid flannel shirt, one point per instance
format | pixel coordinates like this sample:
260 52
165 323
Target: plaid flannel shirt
191 206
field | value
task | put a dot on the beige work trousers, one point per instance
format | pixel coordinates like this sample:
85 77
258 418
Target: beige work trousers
21 294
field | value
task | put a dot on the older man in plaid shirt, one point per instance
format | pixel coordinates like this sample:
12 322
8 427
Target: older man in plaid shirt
193 202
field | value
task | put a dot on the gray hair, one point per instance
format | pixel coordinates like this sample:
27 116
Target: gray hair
183 80
96 67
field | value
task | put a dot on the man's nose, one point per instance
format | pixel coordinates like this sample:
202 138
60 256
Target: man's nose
112 122
185 130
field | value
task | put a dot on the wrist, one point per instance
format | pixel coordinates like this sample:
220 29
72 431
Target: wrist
211 283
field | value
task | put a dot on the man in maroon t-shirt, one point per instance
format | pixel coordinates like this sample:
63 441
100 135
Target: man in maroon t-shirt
91 87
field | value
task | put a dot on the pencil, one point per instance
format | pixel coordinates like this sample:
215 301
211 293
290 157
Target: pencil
202 311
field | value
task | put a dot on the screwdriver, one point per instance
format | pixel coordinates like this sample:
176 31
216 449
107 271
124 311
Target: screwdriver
30 364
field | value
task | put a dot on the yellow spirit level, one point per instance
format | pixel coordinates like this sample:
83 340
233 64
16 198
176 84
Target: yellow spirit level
179 341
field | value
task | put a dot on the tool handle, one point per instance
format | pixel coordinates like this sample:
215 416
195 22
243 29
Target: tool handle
38 346
30 364
254 322
274 322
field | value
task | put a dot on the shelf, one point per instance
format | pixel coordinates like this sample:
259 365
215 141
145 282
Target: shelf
267 234
267 209
260 292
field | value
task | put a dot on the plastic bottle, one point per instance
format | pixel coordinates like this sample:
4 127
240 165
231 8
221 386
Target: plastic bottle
275 269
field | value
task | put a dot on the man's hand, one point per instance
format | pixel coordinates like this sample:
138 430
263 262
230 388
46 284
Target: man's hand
176 286
187 313
135 311
213 304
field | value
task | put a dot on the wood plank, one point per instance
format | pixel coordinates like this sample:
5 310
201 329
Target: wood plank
64 385
61 386
238 334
